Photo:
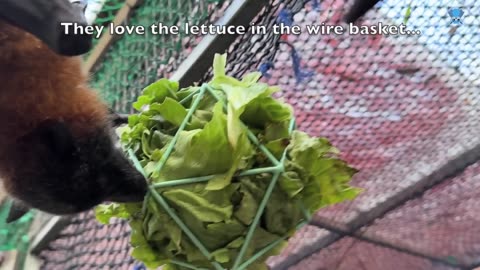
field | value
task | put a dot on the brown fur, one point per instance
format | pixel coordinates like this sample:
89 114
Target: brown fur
36 85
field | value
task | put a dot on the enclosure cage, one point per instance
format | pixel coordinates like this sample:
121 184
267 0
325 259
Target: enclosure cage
403 109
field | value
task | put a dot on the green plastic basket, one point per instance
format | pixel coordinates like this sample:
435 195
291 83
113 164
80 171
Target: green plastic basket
275 170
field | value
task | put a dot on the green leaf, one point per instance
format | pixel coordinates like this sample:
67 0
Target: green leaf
408 13
248 206
105 212
278 130
239 95
169 267
238 98
325 177
277 147
221 255
265 110
215 143
160 89
291 183
144 254
206 206
133 119
237 243
123 132
190 157
240 157
141 102
219 63
170 110
251 78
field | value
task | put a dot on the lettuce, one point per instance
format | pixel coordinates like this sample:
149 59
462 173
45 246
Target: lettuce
215 141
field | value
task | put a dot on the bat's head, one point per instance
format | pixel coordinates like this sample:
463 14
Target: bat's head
66 175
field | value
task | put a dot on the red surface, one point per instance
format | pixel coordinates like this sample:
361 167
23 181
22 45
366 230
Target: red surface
350 254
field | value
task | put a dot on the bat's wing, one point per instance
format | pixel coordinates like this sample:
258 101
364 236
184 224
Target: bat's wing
42 18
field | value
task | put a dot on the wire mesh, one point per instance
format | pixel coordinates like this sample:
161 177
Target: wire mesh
402 109
104 10
102 13
350 253
444 213
138 60
85 244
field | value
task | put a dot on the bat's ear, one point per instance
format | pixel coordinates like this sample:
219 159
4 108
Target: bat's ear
17 210
54 137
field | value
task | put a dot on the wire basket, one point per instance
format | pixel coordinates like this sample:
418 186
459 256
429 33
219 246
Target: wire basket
274 170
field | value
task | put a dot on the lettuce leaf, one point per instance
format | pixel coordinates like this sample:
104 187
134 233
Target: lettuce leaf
216 143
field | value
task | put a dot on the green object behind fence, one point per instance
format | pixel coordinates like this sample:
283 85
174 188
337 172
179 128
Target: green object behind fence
138 60
106 15
14 236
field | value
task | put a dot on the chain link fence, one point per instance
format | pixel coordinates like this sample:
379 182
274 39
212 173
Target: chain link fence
402 109
135 61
